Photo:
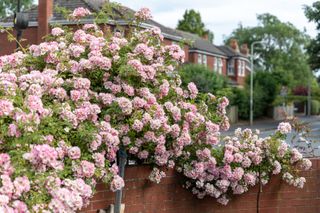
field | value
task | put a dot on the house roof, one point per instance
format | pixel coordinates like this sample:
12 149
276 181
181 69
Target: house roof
198 43
68 4
231 52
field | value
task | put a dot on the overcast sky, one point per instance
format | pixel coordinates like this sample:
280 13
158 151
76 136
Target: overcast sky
222 16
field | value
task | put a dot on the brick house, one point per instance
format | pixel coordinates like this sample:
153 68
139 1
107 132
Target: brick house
230 61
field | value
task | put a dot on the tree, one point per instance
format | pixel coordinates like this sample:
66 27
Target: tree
313 14
266 87
283 52
8 7
192 23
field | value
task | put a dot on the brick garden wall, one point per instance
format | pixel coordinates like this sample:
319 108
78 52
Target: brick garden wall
169 197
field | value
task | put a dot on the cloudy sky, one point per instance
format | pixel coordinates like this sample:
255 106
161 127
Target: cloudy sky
222 16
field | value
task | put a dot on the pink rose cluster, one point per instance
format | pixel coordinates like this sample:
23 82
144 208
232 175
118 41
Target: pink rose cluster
68 195
12 190
156 175
80 12
237 172
284 128
42 157
143 14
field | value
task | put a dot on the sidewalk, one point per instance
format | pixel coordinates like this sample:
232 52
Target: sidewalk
269 124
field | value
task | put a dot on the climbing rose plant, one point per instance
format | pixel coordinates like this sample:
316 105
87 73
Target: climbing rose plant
69 104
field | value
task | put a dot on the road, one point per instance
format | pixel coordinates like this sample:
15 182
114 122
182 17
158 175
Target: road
309 147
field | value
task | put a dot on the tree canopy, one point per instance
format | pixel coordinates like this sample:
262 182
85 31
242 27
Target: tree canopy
283 50
313 14
192 23
8 7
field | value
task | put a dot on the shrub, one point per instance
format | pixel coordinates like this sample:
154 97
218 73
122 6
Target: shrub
266 86
315 107
68 104
206 79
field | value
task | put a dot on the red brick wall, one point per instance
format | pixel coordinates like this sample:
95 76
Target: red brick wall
224 66
6 47
167 41
186 51
210 60
193 58
169 197
239 79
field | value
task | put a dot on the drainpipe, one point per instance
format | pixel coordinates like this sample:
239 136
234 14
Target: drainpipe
122 157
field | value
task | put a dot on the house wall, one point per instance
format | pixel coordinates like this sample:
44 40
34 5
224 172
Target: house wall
240 79
193 58
167 42
210 61
224 67
186 51
142 196
7 47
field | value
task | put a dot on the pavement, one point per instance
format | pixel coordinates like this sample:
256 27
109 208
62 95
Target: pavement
308 145
269 124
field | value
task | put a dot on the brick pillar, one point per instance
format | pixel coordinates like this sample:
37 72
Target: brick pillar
45 9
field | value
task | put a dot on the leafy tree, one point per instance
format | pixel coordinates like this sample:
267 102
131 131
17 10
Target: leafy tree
266 87
8 7
283 52
192 23
313 14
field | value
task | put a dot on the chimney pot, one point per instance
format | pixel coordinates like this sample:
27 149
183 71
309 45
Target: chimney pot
234 44
205 36
244 49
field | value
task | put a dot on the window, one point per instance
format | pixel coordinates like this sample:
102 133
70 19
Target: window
215 64
242 68
199 58
239 67
220 65
231 67
202 59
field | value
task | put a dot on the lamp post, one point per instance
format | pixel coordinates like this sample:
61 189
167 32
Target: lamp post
20 22
251 81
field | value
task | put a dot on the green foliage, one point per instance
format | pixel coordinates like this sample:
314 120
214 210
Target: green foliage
192 23
315 107
266 86
206 80
283 51
313 14
8 7
243 102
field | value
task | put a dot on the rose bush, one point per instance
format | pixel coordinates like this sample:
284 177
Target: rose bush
70 103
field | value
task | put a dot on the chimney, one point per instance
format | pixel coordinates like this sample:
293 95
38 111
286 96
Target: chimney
234 44
205 36
244 49
45 10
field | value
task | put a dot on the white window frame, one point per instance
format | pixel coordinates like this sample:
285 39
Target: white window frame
215 64
204 60
231 67
242 68
199 58
220 65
